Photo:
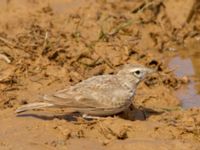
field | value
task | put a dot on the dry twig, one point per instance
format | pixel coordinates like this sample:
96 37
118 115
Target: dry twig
5 58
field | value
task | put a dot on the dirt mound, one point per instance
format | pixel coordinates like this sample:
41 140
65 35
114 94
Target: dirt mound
47 45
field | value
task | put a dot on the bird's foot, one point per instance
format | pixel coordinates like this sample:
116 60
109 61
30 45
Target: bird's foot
85 116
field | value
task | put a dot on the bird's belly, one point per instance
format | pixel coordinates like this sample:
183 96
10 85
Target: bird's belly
105 111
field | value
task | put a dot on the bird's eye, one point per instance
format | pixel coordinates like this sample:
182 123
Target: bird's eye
137 72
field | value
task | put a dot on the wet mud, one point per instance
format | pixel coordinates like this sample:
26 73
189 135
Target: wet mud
51 44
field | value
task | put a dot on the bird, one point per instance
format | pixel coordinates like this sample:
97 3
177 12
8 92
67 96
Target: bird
97 96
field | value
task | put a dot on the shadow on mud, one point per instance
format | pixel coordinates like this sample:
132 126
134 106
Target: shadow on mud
132 113
141 113
67 117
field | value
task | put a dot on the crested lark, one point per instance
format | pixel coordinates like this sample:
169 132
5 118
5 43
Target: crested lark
101 95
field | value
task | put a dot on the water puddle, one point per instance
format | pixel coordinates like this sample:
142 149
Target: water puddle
188 64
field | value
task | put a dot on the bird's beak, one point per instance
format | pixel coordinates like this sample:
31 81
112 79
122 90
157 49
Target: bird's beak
150 71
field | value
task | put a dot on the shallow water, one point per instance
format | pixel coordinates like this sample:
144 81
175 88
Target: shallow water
188 64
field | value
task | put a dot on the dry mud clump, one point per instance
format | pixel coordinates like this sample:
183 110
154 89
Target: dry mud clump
47 45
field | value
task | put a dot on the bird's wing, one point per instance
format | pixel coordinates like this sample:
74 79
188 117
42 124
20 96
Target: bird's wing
94 92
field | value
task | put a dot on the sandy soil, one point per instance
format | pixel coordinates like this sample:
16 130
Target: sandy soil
47 45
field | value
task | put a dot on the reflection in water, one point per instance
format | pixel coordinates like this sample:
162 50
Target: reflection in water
188 64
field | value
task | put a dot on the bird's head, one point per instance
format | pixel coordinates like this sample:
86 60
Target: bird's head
135 72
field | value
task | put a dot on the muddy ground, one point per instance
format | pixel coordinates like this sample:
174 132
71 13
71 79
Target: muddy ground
50 44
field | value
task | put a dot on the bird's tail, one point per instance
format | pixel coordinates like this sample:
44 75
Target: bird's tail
33 106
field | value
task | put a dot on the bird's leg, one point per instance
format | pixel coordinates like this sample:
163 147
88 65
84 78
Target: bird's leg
85 116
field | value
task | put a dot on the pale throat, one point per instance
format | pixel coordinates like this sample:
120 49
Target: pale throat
128 81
